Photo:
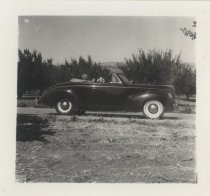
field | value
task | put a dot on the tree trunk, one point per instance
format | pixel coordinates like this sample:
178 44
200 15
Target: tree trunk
187 96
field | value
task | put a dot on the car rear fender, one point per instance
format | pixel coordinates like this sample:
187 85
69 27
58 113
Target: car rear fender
137 101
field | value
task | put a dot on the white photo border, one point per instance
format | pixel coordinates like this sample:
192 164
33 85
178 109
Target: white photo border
9 39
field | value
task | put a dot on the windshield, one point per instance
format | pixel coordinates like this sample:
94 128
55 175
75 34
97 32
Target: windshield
123 78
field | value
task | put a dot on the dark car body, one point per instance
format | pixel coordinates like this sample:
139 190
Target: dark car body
120 95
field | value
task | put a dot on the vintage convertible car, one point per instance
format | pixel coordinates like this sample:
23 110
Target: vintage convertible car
118 94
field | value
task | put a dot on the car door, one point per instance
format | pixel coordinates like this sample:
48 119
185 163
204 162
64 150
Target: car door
99 96
108 96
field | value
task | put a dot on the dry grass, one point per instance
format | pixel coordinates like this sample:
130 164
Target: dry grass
185 106
99 148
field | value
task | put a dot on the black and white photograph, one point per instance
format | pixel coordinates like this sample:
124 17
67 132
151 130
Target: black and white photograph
106 99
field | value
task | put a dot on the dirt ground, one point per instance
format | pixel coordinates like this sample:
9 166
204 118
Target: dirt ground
104 147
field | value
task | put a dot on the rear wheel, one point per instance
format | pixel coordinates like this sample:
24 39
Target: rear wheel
153 109
64 106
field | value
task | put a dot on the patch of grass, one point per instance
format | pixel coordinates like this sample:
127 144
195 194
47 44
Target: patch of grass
32 128
81 178
22 104
185 106
29 103
186 109
98 120
74 118
51 117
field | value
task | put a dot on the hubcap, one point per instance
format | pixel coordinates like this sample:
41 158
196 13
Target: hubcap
65 105
153 108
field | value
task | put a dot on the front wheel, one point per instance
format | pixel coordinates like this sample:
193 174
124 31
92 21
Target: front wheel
153 109
64 106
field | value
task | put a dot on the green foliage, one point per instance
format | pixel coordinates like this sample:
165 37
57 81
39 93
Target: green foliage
160 67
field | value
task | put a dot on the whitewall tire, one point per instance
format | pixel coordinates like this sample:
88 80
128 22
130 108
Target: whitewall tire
64 106
153 109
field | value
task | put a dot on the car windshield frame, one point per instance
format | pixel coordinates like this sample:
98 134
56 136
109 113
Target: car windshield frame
123 78
118 78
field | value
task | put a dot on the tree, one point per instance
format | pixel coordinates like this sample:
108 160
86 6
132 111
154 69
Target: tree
160 67
154 67
32 71
75 69
189 32
186 82
188 77
35 73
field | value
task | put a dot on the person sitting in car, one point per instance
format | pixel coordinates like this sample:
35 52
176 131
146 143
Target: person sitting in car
84 77
100 80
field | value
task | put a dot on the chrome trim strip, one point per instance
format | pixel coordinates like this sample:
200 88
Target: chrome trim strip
96 86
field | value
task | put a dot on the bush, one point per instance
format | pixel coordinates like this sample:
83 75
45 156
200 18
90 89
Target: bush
153 67
160 67
35 73
22 104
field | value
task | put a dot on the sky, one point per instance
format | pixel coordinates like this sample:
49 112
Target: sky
105 38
